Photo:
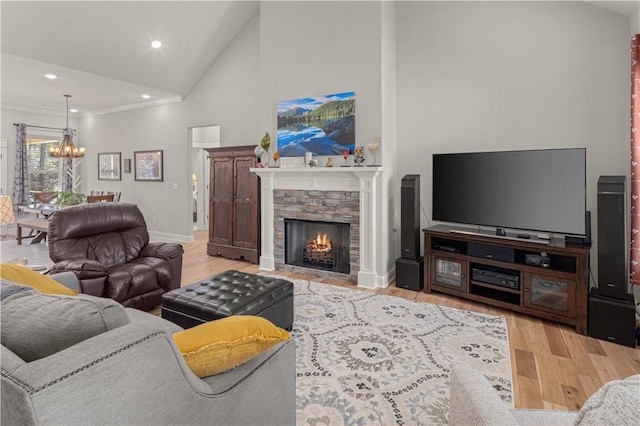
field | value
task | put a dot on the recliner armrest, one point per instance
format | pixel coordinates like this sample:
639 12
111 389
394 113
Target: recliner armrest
166 251
67 279
84 269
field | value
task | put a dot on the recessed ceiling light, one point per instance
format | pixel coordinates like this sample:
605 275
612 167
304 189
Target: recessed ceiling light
156 44
145 96
73 110
51 76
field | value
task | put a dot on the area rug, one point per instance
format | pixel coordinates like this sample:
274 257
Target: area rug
370 359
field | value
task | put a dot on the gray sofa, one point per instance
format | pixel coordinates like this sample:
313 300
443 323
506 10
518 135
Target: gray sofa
474 402
132 373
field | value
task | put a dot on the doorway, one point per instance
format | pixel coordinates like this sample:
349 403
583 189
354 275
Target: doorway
200 138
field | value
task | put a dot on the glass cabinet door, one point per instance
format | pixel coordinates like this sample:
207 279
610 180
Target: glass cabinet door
449 273
550 294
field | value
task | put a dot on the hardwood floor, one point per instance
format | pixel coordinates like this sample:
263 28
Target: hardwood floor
553 367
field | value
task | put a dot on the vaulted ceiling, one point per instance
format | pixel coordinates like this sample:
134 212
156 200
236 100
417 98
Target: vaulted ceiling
101 52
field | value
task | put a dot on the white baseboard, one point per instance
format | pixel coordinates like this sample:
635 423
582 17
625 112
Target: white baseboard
165 237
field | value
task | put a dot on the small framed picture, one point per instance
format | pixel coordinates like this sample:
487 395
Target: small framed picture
127 165
148 166
109 166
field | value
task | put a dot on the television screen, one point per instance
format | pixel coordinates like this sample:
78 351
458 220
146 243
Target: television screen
537 190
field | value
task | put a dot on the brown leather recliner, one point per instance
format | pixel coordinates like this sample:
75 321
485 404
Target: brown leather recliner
107 246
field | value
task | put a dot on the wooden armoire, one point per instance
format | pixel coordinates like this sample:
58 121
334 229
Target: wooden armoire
234 214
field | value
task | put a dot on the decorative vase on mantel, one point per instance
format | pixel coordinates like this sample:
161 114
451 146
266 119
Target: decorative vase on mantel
358 156
373 149
265 143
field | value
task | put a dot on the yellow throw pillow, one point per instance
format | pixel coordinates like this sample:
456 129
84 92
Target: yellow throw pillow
221 345
25 276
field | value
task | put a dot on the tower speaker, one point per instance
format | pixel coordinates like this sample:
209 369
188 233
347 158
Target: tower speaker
612 320
410 217
613 265
410 273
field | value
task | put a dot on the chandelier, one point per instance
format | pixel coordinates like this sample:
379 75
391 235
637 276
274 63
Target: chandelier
66 149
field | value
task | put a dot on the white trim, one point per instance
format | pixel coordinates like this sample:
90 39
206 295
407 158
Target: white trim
205 144
166 237
163 101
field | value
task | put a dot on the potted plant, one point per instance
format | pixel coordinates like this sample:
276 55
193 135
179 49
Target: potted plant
69 198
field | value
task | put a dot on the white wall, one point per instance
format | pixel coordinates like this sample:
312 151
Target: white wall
476 76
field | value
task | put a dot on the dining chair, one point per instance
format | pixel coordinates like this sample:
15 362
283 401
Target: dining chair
99 198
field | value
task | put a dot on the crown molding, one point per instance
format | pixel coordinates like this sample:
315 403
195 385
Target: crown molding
146 104
21 108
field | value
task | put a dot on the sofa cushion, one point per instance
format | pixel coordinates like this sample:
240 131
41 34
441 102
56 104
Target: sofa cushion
11 290
38 325
616 403
21 275
220 345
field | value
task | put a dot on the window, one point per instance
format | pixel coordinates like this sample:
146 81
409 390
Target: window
44 170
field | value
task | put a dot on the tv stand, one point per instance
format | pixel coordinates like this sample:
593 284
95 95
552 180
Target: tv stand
549 281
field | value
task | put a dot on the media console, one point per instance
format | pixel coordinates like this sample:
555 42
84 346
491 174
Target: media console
550 281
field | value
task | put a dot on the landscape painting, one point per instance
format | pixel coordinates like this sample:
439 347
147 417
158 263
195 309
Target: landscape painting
323 125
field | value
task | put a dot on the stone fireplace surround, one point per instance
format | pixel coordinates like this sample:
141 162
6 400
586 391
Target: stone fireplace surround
326 206
312 185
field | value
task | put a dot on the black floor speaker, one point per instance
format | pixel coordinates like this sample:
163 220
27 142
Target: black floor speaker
410 273
612 320
410 217
613 265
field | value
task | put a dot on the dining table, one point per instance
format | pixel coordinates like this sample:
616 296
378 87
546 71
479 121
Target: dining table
42 212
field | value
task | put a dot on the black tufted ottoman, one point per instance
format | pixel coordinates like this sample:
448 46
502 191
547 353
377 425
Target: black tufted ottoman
230 293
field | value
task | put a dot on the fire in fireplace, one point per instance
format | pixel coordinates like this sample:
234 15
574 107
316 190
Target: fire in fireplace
319 251
318 245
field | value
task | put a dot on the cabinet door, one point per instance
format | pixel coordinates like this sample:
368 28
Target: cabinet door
245 223
550 294
221 210
448 273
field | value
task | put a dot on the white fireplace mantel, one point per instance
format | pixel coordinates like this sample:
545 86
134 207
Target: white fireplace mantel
361 179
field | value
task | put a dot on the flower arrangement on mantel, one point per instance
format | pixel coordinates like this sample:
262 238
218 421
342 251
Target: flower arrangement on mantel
262 149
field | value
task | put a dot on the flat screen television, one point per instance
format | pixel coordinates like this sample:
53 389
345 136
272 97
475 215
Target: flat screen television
537 190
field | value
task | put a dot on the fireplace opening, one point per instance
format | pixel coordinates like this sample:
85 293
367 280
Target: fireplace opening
317 245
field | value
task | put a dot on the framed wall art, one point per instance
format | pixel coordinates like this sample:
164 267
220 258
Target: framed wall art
109 166
323 125
148 166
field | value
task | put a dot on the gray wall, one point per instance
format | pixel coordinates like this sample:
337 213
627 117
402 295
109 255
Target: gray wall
226 95
428 76
477 76
320 48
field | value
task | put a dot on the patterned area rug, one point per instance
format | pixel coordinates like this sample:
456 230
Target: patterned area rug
371 359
